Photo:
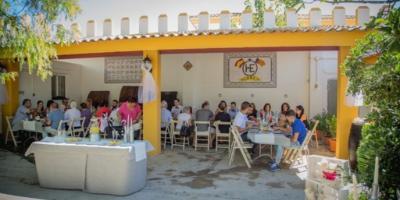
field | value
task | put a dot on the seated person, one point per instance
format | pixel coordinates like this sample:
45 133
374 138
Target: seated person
284 108
85 112
166 115
39 111
241 120
73 114
233 110
176 109
298 134
205 115
53 119
283 124
223 103
253 114
22 114
114 114
302 116
185 118
266 113
223 117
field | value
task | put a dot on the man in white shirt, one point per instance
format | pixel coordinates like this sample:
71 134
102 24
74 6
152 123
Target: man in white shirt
242 122
73 114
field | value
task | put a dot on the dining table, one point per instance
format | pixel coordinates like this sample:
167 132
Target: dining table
105 167
267 136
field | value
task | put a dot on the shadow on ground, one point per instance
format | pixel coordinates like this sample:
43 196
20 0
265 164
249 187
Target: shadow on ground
174 175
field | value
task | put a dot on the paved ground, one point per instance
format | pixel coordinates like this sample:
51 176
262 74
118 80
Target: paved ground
172 175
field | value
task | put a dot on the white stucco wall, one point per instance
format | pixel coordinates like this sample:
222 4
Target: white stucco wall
92 78
205 80
99 10
32 87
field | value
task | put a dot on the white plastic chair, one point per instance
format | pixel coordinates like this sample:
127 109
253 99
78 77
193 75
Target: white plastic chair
202 136
222 137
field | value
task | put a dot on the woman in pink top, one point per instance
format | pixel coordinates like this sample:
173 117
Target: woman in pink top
130 109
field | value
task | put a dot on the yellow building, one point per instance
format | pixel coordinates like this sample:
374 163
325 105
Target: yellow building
314 33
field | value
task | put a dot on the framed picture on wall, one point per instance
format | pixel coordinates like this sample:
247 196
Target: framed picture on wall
250 70
123 69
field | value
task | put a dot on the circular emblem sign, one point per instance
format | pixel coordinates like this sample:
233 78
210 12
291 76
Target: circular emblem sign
249 68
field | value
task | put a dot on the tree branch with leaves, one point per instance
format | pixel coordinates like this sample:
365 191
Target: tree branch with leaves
29 33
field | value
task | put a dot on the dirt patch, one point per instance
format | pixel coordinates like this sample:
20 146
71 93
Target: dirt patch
296 185
275 184
253 175
188 156
154 179
251 183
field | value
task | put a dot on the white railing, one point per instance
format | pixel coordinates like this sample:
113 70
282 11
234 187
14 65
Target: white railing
315 18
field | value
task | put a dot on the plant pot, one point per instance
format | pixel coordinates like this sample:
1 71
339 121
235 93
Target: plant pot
326 140
320 134
332 144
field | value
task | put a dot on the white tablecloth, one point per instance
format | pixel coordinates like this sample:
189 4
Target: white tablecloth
268 137
95 168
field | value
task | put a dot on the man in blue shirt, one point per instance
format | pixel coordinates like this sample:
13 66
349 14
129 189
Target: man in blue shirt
298 134
53 119
166 115
22 114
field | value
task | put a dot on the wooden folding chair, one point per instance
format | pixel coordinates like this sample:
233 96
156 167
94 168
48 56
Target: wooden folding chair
314 132
222 137
64 127
202 136
177 139
293 153
79 130
10 131
239 144
165 135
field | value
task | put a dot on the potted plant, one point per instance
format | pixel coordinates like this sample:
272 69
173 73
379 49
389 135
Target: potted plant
331 122
322 128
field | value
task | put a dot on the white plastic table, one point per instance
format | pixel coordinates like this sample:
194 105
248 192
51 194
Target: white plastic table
92 167
267 137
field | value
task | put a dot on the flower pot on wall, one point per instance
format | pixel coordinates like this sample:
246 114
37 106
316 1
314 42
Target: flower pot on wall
332 144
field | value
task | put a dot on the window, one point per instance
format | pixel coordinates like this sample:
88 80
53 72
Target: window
57 86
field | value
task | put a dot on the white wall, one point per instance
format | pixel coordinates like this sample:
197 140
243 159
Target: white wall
324 66
92 78
32 87
205 80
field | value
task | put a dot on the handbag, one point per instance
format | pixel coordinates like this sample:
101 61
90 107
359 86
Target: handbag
185 130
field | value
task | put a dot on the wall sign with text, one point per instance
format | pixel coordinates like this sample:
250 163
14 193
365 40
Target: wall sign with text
124 69
250 70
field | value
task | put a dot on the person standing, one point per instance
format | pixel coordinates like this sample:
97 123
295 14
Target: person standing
130 110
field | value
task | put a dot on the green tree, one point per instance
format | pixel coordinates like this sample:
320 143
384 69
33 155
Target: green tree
26 28
380 85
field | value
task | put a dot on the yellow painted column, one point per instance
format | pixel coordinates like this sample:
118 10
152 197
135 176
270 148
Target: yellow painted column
12 87
152 110
345 114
